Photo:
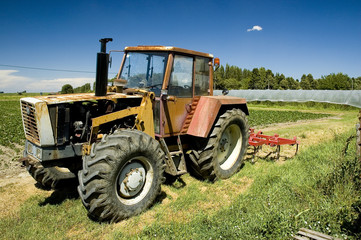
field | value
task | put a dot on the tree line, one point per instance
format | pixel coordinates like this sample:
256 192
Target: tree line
67 88
233 77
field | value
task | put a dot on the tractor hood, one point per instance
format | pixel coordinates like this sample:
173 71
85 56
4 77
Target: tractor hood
80 97
46 117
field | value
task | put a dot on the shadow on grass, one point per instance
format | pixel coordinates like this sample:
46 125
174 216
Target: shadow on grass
160 198
353 226
59 196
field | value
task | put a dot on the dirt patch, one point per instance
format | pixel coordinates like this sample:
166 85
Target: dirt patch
14 191
16 185
9 164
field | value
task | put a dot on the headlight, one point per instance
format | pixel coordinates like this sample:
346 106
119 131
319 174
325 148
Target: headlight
38 153
30 148
34 150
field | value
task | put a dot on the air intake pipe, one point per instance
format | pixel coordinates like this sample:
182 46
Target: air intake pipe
101 78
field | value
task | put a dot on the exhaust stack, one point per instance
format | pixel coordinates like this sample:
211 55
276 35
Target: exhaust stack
101 78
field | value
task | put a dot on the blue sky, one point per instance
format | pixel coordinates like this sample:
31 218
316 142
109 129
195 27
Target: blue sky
297 37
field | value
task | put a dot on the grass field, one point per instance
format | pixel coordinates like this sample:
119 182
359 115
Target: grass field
319 189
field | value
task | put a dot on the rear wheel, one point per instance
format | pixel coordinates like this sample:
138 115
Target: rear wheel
222 154
122 176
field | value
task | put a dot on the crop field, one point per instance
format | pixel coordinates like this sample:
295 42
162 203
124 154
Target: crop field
259 117
319 188
11 125
11 130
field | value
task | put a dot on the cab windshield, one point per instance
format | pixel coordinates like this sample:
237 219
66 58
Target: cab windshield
144 70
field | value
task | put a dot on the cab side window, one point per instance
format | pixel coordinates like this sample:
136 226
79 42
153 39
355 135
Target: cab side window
180 83
201 82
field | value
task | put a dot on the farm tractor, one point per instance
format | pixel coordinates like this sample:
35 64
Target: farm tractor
158 121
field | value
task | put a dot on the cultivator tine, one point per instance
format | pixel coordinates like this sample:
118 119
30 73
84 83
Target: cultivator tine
296 149
278 152
255 151
258 139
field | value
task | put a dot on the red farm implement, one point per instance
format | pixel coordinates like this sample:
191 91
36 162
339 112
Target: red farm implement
257 140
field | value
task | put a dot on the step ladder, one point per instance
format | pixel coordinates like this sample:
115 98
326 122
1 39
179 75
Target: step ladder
175 161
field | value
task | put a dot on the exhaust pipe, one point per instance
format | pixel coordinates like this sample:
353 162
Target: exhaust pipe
101 78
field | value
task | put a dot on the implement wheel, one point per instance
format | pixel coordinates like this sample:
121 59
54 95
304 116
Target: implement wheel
122 176
222 154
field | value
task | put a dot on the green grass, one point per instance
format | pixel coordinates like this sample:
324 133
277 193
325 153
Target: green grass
15 96
319 189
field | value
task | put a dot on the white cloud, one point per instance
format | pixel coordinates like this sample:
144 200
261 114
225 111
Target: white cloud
255 28
13 83
10 82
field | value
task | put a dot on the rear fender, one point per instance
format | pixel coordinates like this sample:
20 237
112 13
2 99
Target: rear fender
207 111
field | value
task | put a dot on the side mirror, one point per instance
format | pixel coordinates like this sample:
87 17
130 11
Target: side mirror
225 92
164 94
166 97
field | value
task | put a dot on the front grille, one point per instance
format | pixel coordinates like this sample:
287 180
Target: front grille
31 129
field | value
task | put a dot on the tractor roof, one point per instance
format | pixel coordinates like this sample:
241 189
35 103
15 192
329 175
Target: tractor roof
167 49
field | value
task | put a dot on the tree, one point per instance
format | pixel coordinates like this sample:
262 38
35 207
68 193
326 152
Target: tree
305 83
67 88
356 83
255 79
279 81
232 83
245 83
82 89
219 78
263 84
270 80
312 81
233 77
333 81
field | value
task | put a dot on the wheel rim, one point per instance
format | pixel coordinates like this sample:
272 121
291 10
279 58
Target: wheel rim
134 180
229 146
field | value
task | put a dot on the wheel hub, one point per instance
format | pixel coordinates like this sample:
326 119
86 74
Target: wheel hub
223 145
134 180
131 179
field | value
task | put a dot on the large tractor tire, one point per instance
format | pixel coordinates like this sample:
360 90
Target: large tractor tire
51 177
122 176
221 155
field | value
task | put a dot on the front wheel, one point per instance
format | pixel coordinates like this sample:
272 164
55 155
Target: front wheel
122 176
51 177
222 154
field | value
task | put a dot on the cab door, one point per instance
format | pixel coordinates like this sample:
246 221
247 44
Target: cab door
189 79
179 93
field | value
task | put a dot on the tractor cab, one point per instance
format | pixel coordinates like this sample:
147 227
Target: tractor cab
178 77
